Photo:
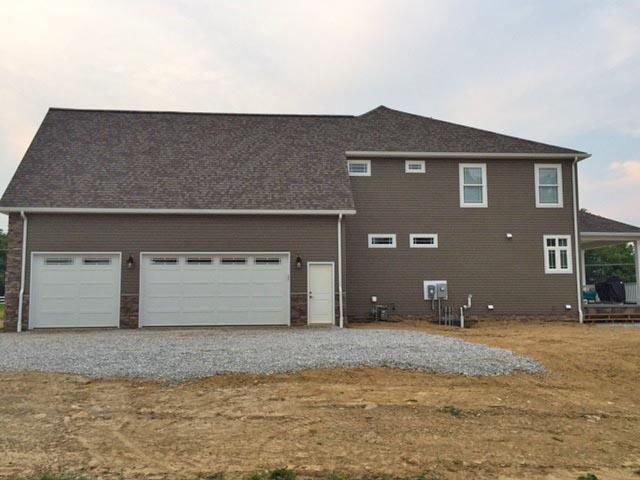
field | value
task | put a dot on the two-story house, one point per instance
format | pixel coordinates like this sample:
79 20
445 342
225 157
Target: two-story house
134 219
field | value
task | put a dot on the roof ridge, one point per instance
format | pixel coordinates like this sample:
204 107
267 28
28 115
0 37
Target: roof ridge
176 112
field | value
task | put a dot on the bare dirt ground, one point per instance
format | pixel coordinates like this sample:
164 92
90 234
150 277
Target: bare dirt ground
583 416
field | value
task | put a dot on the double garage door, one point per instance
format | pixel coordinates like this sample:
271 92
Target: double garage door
83 290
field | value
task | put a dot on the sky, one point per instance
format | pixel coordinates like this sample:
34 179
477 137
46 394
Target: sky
561 72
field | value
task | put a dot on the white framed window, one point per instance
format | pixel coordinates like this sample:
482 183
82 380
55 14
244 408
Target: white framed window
96 261
548 185
557 254
164 261
473 185
414 166
199 261
267 261
382 240
58 261
233 261
423 240
359 168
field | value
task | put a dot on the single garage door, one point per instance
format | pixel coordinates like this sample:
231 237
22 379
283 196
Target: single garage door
75 290
214 289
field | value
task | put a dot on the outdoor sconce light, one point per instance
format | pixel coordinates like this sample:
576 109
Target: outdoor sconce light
490 307
298 262
130 262
567 307
509 236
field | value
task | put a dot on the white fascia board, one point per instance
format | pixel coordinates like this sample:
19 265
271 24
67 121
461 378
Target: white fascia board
483 155
610 234
177 211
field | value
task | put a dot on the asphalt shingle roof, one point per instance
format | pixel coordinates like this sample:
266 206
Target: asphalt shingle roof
171 160
588 222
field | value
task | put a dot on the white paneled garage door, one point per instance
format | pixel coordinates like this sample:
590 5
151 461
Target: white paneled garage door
75 290
214 289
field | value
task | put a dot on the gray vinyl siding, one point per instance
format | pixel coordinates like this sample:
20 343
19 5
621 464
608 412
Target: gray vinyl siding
473 255
313 238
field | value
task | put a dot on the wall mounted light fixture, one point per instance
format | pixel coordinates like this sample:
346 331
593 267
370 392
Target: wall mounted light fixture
130 262
298 262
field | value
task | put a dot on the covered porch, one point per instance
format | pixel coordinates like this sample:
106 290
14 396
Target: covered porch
611 290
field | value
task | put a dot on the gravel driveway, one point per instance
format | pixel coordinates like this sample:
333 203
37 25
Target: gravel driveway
178 355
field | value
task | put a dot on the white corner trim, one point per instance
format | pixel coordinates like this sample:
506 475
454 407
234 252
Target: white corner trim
485 187
576 234
425 245
25 224
175 211
371 236
397 154
359 162
558 168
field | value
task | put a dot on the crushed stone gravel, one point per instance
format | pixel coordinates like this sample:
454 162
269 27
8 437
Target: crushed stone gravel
179 355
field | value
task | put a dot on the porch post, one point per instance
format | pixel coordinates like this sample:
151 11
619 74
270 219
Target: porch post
636 244
583 267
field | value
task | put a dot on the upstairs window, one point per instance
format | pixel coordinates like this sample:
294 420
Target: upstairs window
557 254
382 240
414 166
548 185
473 185
359 168
423 240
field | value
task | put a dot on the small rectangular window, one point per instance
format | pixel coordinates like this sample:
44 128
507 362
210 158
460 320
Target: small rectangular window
359 168
548 185
557 258
414 166
267 261
423 240
96 261
164 261
233 261
58 261
199 261
382 240
473 185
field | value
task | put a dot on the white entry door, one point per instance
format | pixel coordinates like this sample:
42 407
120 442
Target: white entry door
320 293
75 290
182 289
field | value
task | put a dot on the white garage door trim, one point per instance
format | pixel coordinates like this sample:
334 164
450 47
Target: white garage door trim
33 298
141 306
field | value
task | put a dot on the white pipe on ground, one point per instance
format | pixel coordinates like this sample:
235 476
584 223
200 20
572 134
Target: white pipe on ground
340 271
22 271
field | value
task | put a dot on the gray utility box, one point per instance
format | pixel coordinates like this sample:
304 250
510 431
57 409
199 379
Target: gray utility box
436 290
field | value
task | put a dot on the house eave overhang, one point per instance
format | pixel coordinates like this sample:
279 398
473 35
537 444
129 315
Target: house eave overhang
176 211
603 239
475 155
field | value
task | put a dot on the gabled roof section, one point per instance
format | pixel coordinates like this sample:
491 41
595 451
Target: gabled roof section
392 130
588 222
113 159
163 160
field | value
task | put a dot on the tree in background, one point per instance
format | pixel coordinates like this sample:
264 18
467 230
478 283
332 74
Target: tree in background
618 260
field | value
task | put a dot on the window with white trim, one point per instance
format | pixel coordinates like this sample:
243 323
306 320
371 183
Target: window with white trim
423 240
233 261
557 254
382 240
96 261
473 185
359 168
548 185
414 166
58 261
267 261
164 261
199 261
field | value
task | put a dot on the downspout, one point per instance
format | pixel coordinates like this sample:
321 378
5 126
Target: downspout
22 271
574 174
340 270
